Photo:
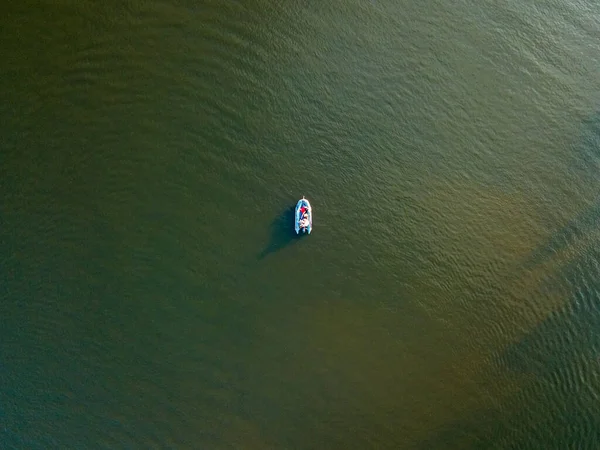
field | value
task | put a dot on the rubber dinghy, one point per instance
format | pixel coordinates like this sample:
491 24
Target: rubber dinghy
303 216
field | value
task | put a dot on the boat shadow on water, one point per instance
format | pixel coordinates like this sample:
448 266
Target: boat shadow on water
282 233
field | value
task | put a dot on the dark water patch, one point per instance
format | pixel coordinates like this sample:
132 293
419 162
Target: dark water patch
482 429
567 237
282 233
589 149
569 334
559 361
585 163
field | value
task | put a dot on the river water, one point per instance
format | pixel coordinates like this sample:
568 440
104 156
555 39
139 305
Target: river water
153 293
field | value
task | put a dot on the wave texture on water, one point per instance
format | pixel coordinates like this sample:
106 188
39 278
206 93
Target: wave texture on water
154 294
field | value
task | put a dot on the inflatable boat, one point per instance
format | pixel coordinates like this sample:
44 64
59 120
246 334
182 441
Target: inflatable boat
303 216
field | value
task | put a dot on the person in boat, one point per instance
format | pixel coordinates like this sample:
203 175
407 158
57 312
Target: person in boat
304 222
303 212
